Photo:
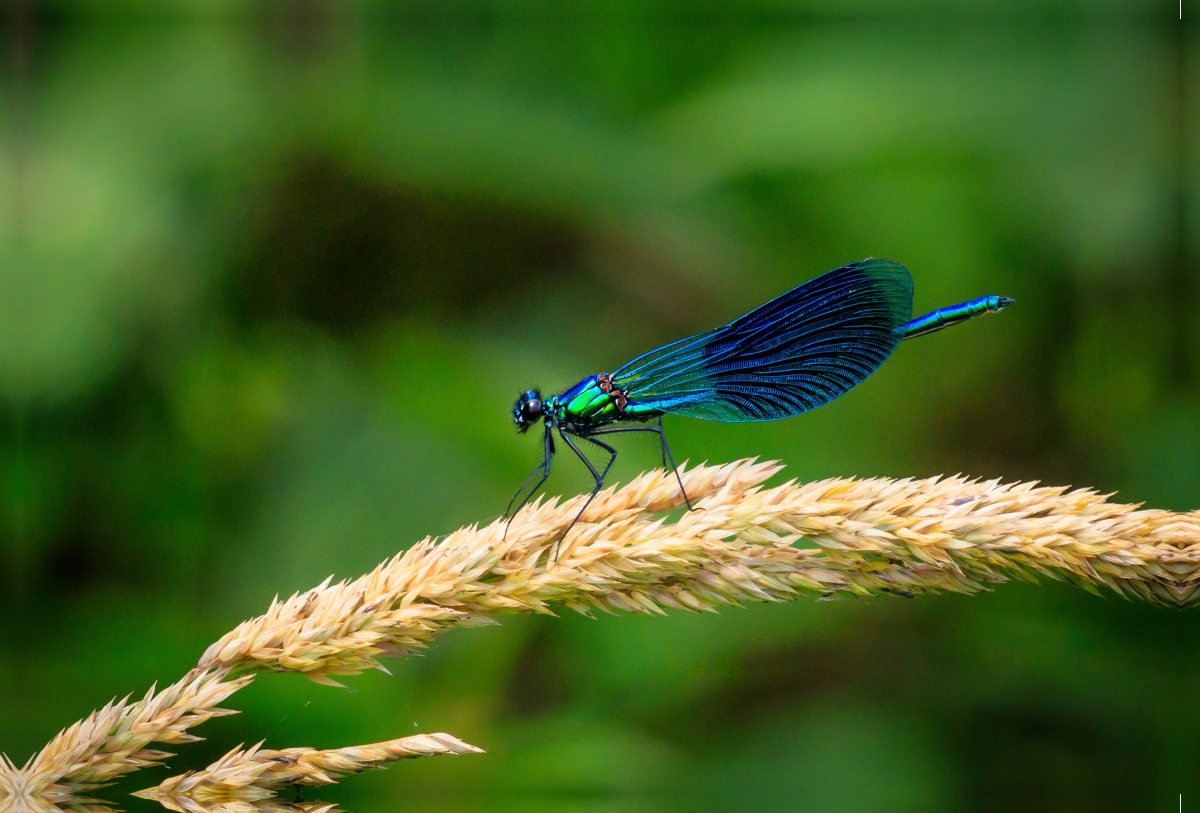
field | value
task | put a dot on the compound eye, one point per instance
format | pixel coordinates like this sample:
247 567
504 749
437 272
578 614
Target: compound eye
533 407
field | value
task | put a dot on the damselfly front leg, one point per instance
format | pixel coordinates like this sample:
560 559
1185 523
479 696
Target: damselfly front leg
544 468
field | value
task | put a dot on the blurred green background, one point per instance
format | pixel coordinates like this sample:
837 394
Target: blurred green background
271 275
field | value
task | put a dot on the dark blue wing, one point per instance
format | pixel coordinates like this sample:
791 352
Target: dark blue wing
793 354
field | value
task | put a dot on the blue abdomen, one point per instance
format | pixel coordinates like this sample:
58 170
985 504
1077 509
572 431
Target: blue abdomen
952 315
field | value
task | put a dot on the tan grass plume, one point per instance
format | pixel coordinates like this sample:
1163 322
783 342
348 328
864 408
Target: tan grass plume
744 543
254 774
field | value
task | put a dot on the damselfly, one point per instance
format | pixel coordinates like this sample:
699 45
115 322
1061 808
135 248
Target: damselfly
795 353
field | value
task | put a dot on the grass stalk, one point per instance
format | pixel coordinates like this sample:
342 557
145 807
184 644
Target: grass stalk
745 543
255 774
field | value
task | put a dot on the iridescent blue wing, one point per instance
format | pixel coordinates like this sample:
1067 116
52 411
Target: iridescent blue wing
793 354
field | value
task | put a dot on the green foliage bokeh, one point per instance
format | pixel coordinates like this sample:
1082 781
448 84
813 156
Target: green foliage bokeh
271 277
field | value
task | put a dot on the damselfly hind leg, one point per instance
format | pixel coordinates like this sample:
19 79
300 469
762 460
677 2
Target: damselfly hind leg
667 451
544 468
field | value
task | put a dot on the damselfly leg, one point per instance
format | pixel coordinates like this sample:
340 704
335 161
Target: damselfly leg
544 468
666 450
598 475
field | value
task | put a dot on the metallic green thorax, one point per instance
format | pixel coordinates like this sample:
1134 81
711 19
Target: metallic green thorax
594 402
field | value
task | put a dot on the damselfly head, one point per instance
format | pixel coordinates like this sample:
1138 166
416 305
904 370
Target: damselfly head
528 410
